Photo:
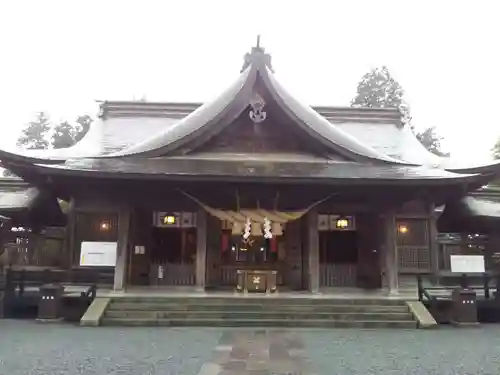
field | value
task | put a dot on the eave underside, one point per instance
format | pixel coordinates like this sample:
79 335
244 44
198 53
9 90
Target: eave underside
168 195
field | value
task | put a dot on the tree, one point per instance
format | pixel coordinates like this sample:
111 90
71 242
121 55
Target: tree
7 173
84 122
431 141
34 135
378 89
64 135
496 150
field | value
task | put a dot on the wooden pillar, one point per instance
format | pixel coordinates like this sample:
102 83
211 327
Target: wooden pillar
124 215
433 243
294 277
313 250
70 240
390 253
201 249
492 247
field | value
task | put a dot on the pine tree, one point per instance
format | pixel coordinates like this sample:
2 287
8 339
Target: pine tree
495 151
84 122
431 141
34 135
378 89
64 135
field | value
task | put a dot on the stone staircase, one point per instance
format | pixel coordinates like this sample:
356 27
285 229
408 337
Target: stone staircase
258 312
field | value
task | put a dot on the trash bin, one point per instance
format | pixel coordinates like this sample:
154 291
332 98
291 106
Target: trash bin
464 311
50 303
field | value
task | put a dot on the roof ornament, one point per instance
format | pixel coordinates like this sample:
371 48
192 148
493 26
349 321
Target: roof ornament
257 113
257 56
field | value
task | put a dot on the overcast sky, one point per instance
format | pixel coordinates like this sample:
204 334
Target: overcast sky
60 56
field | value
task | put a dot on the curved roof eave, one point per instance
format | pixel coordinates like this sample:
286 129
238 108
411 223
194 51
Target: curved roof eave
322 129
492 168
223 109
13 158
374 174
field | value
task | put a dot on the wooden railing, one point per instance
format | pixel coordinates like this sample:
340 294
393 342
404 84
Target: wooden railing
331 274
484 284
18 285
228 275
448 248
414 258
173 274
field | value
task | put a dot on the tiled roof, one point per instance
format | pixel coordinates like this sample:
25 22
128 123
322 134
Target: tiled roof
17 198
470 215
133 124
481 207
148 131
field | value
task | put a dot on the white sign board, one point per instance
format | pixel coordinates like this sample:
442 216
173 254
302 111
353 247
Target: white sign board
467 263
98 254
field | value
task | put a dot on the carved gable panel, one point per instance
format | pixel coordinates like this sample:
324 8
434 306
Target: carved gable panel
269 136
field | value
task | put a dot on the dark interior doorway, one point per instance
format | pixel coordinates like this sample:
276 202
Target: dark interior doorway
339 247
173 245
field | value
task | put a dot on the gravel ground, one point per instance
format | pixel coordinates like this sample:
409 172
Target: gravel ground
28 348
446 351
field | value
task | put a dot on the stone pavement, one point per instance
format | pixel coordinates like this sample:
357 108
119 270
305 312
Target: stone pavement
258 352
27 348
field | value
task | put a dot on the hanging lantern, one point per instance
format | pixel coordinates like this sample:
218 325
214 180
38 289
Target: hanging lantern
342 222
237 229
276 229
256 230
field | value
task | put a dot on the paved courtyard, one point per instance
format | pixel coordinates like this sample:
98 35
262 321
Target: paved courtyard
28 348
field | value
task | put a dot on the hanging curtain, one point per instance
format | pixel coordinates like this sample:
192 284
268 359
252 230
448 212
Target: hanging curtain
224 243
273 245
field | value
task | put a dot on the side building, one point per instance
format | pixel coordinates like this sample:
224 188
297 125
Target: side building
326 197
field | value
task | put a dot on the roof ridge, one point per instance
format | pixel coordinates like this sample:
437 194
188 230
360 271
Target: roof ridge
179 110
138 103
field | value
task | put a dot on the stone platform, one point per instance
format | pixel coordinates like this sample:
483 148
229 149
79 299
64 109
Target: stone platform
188 308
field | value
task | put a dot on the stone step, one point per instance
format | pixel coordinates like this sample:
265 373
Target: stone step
263 299
232 306
321 323
245 315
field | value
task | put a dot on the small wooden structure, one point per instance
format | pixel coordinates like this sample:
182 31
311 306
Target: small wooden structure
256 281
343 211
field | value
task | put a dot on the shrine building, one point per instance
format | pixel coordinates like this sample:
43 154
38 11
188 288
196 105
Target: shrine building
193 194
